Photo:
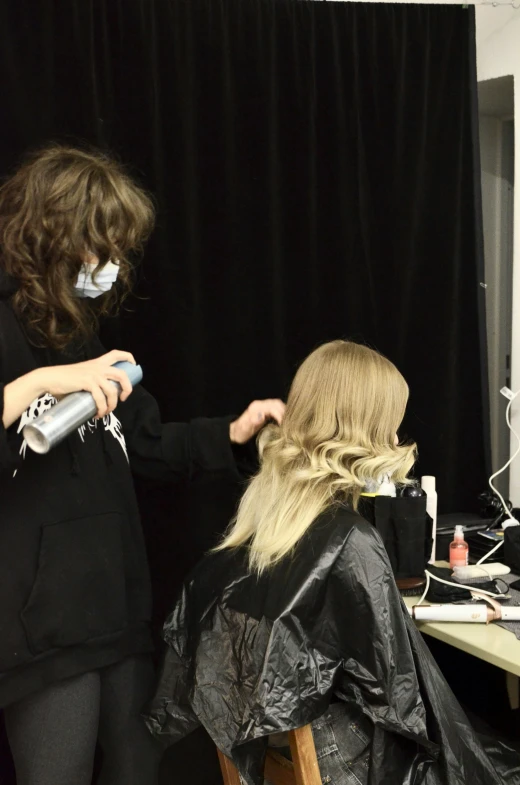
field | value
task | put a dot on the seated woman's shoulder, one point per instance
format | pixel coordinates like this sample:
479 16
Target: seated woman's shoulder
343 522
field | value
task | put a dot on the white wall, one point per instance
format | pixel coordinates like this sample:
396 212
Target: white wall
497 161
498 54
490 150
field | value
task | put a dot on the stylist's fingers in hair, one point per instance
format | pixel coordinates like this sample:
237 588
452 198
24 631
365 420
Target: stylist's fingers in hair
254 418
263 411
274 410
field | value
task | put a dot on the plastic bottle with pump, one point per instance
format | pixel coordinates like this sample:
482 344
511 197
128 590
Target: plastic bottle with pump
459 549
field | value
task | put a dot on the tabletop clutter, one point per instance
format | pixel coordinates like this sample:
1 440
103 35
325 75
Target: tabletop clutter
475 588
480 584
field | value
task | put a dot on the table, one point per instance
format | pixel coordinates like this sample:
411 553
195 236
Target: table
488 642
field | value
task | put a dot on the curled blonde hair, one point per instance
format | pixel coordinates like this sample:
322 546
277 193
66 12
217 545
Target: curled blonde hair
345 406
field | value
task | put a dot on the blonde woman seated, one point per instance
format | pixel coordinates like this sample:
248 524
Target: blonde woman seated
296 617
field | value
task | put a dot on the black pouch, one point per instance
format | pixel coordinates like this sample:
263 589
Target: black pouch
406 530
442 593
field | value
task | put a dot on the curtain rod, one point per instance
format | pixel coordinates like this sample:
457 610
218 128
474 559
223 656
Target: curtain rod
496 3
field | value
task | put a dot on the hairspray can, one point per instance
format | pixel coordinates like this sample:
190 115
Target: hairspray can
74 410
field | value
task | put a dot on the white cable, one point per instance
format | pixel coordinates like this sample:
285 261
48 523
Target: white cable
496 547
464 586
508 394
425 592
511 396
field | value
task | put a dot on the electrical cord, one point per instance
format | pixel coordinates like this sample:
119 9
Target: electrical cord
506 392
510 521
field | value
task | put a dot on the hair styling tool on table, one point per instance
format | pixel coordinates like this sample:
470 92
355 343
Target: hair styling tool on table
477 613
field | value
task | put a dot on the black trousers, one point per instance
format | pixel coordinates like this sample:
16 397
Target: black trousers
53 734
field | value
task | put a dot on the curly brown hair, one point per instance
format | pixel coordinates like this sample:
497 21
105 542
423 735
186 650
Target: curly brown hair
60 206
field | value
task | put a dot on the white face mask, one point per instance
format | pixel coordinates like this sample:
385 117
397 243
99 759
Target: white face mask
85 286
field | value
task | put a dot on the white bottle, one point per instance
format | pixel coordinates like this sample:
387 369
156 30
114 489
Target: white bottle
428 486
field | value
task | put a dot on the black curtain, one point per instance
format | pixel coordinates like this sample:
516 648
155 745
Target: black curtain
313 164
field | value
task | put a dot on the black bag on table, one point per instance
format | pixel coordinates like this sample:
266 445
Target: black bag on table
406 530
511 553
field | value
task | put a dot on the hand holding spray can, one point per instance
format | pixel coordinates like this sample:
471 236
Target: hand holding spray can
74 410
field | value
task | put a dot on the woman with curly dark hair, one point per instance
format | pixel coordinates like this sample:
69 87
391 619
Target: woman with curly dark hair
75 643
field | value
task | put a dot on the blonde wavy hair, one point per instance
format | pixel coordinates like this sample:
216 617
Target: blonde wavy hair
339 433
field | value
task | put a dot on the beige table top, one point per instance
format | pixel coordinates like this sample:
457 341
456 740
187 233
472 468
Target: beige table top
489 642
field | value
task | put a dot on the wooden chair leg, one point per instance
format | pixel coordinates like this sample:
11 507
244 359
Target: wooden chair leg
278 770
512 690
305 762
229 771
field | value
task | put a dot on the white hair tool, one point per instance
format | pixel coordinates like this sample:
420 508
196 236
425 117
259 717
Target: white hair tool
478 613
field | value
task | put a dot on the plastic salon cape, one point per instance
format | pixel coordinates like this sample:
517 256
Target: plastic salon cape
248 656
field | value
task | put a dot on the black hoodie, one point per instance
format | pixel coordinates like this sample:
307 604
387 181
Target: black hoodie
74 583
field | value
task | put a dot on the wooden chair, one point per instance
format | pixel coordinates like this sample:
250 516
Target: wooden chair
302 770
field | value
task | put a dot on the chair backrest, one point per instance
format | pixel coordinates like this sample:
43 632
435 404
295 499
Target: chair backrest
302 770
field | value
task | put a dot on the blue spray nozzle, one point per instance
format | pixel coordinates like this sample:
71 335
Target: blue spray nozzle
134 372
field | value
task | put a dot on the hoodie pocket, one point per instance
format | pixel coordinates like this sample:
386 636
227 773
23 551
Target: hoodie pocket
79 592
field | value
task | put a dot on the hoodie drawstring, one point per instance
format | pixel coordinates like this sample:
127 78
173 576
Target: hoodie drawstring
106 452
74 467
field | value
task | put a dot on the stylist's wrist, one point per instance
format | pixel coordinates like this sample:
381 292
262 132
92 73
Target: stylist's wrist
20 393
37 381
233 433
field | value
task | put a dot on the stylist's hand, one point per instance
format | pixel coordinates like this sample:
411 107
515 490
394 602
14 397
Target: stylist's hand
254 418
93 376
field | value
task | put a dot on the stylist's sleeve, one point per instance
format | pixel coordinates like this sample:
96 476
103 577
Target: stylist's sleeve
197 450
9 440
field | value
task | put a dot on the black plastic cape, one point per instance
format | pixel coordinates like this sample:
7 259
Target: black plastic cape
251 656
